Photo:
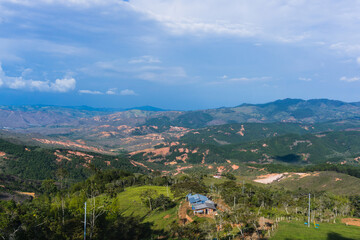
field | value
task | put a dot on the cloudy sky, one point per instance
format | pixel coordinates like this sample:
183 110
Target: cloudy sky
177 54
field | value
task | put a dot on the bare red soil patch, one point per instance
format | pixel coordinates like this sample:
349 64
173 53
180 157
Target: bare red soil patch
235 167
351 221
31 194
69 144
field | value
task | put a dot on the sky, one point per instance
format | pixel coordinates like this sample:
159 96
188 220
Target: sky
177 54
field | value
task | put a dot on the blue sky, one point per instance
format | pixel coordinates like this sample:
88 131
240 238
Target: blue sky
177 54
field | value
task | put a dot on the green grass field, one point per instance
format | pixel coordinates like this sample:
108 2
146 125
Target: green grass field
129 202
326 231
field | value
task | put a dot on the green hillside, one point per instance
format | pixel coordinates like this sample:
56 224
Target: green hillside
329 147
239 133
332 182
31 162
130 203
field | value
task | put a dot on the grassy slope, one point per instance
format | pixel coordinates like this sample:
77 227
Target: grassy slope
130 203
325 181
326 231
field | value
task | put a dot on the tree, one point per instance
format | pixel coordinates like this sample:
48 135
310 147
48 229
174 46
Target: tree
147 197
48 186
95 210
61 174
163 202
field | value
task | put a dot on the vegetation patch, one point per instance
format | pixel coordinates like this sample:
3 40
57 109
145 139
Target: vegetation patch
326 231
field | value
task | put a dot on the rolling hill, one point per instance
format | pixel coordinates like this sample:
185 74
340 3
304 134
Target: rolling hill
144 127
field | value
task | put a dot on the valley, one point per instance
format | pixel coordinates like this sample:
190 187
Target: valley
255 161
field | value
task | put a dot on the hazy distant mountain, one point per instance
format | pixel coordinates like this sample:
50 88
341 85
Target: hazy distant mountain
287 110
148 108
43 115
142 127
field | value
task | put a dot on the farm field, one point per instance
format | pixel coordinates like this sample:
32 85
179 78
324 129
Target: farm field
326 231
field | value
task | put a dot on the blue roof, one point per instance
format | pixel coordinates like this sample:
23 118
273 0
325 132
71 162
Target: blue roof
196 198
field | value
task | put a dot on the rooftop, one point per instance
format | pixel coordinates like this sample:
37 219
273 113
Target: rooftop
196 198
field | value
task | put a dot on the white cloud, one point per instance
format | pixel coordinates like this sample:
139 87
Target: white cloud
285 21
111 91
127 92
10 48
145 59
233 80
90 92
65 84
350 79
78 3
248 79
305 79
323 21
346 48
15 82
152 73
358 60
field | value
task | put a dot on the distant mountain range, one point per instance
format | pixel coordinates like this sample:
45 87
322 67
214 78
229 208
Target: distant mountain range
289 131
143 127
287 110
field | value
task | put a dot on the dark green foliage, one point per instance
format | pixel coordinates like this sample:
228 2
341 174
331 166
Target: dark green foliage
48 186
289 158
41 217
33 164
189 231
303 113
189 186
153 201
127 228
355 201
163 123
163 202
229 176
38 220
15 183
289 148
193 119
229 133
29 162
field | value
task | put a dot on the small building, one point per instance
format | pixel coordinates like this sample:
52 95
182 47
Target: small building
200 204
206 208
